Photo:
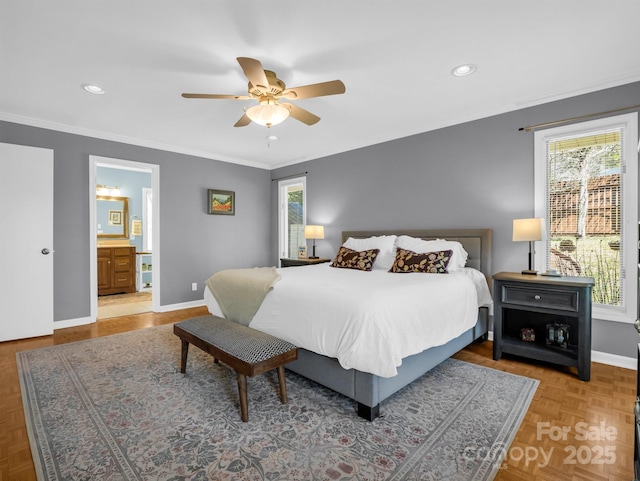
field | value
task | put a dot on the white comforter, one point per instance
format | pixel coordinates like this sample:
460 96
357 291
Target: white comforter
369 321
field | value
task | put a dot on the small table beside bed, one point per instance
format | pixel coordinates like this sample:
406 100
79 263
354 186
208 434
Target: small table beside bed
366 332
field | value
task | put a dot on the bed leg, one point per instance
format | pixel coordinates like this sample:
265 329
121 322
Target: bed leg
368 413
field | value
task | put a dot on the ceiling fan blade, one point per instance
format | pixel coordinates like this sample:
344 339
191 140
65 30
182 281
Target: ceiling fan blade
216 96
301 114
315 90
244 120
252 68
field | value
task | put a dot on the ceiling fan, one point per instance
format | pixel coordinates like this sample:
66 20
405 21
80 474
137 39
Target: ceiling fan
268 90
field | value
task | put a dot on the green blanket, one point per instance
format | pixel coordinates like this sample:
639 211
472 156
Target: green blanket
240 292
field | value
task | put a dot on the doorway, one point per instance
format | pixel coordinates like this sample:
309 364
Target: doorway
146 254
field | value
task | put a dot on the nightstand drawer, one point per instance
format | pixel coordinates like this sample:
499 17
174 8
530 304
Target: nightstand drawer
564 300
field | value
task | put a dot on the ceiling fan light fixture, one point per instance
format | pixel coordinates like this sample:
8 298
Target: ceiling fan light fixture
463 70
268 113
265 87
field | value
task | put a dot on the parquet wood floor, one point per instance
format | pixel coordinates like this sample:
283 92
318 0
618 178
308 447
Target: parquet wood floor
597 416
573 430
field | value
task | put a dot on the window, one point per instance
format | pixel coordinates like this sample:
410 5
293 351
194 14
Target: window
586 185
291 217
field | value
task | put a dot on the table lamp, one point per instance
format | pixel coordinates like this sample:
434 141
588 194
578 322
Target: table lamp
314 232
529 230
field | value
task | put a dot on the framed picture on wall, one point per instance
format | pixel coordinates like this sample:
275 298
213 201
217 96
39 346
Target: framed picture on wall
221 202
136 227
115 217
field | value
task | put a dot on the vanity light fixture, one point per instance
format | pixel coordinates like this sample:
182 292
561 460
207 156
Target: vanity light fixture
93 89
105 190
463 70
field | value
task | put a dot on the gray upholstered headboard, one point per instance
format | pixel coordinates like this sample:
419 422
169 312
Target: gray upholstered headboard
477 242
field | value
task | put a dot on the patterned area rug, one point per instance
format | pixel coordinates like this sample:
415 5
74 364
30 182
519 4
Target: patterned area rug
117 408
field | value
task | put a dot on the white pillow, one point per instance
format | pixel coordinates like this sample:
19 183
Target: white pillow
386 244
419 246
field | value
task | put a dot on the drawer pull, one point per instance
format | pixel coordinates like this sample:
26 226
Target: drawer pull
537 297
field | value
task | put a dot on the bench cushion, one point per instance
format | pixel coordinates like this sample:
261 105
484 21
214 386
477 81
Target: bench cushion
239 341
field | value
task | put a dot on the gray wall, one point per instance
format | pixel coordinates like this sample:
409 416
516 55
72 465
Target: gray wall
476 174
193 244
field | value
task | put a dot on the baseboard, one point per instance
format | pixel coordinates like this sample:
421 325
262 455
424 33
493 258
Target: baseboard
614 360
80 321
182 305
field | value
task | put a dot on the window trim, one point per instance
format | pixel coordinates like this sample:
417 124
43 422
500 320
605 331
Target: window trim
147 219
283 243
627 313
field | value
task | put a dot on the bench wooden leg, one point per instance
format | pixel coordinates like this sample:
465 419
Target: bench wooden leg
283 385
183 356
242 390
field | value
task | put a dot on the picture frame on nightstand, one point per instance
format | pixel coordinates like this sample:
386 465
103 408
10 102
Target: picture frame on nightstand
302 252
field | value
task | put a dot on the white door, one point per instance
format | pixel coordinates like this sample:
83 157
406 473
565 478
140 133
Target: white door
26 241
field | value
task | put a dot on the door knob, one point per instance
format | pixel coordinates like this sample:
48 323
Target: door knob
45 251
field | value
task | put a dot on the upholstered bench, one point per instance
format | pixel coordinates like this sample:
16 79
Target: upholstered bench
248 351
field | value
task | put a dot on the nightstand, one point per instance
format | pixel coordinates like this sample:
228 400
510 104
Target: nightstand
543 306
302 262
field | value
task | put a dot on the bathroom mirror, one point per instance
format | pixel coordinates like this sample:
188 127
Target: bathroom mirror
112 214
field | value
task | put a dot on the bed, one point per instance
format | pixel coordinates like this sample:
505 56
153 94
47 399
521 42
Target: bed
370 383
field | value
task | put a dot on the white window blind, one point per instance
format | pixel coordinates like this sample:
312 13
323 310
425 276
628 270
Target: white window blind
584 210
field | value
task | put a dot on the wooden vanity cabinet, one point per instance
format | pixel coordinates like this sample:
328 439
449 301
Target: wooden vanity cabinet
116 270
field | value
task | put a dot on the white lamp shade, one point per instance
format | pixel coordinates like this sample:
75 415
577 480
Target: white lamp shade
534 229
314 232
268 114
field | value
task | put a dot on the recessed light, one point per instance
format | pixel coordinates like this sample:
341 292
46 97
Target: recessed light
463 70
93 89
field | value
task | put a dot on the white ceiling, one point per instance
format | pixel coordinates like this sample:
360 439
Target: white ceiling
395 59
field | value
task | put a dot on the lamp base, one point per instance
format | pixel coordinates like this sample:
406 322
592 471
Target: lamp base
530 272
313 257
551 273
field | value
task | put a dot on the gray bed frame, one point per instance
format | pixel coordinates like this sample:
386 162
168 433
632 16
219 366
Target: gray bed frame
369 390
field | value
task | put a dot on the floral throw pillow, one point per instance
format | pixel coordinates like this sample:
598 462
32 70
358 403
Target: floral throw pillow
350 259
429 262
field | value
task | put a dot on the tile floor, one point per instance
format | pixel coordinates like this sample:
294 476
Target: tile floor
116 310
